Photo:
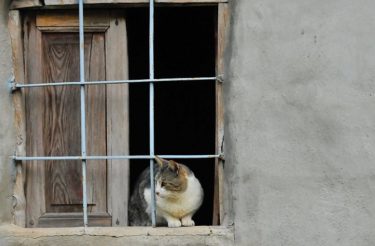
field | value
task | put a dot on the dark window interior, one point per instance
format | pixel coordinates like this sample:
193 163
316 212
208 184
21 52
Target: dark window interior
184 111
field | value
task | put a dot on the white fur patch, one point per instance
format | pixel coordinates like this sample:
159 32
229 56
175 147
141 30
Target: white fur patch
183 204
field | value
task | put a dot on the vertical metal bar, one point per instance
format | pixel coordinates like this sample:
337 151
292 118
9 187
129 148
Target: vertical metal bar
151 109
83 110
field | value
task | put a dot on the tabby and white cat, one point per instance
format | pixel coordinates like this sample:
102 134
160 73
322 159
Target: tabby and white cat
179 195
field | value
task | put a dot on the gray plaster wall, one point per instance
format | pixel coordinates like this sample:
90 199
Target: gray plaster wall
300 122
7 133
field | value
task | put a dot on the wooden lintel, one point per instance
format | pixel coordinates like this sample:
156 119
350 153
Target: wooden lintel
19 4
65 2
191 1
70 19
71 2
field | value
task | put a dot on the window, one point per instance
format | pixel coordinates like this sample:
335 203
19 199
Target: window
116 114
54 189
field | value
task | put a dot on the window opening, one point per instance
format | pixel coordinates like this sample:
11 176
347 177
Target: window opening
184 112
173 83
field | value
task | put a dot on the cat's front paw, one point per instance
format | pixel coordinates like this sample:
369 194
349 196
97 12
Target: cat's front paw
187 222
174 223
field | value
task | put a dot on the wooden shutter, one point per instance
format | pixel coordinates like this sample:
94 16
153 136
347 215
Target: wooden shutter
54 188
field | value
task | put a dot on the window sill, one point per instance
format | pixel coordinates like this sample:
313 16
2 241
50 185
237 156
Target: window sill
208 235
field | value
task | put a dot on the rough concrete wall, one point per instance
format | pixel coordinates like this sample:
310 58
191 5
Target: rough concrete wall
300 116
7 139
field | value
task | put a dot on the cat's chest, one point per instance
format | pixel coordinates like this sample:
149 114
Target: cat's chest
185 203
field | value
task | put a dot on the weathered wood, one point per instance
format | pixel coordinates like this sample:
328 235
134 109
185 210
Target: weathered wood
96 125
19 200
65 2
15 32
117 119
61 129
73 220
70 19
72 29
62 136
222 35
191 1
35 178
18 4
54 126
69 2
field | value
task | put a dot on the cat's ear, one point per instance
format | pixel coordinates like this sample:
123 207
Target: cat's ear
160 161
174 166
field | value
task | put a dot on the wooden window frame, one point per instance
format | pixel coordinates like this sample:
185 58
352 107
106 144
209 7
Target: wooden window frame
114 30
19 4
16 36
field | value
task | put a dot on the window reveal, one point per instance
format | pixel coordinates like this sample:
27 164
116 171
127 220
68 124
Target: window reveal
109 157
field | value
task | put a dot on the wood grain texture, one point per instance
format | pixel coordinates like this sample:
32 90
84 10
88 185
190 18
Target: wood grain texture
73 219
35 170
18 4
69 2
53 126
191 1
96 125
64 2
222 36
61 124
19 199
117 119
62 128
70 19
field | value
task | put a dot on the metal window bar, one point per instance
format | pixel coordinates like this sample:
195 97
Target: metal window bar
111 157
73 83
82 83
151 110
83 110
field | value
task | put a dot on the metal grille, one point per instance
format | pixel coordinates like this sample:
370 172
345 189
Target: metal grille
82 83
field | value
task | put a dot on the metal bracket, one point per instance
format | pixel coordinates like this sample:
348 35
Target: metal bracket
220 78
12 84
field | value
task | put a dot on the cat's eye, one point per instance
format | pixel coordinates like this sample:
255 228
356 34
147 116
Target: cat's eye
162 184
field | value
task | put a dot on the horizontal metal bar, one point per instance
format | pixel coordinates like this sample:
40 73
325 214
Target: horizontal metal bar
58 158
188 156
21 85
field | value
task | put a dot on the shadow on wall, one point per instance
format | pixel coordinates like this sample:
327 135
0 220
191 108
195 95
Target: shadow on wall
5 7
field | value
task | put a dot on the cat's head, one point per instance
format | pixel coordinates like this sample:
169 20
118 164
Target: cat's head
171 178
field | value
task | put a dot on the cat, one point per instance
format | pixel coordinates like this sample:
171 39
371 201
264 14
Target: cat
178 195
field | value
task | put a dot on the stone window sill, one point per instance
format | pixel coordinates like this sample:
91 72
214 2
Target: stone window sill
197 235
